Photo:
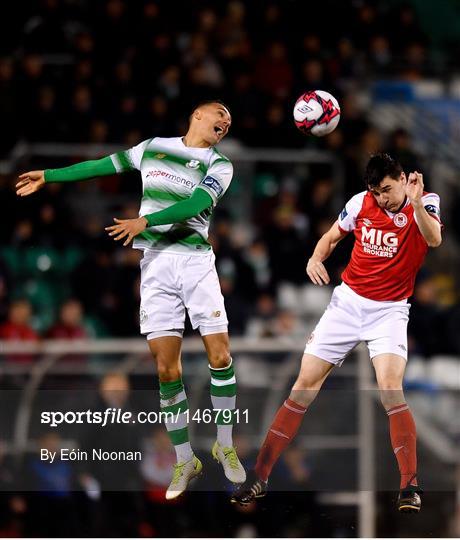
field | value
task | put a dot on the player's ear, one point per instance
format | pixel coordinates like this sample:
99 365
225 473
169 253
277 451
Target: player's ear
403 177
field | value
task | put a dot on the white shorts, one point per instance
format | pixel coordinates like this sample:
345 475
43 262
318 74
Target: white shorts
173 282
350 318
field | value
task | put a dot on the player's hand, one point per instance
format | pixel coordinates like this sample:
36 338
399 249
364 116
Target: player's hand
414 187
317 272
127 228
30 182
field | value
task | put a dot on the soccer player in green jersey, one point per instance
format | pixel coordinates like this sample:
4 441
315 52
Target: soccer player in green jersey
183 179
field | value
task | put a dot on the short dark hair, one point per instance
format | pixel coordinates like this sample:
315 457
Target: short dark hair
379 166
208 102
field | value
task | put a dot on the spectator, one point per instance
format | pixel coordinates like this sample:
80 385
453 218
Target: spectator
285 247
18 325
287 326
13 506
5 284
256 256
158 458
401 148
274 73
119 481
425 323
52 506
70 324
261 323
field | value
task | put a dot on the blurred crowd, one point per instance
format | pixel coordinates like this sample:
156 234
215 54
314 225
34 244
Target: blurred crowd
115 71
118 72
127 499
78 70
89 498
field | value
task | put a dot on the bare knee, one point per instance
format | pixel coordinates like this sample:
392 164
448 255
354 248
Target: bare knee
218 349
313 373
166 352
391 394
304 383
311 377
304 391
303 397
168 373
219 357
389 369
168 368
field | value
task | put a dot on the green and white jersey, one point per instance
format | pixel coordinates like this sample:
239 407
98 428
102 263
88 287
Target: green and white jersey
170 173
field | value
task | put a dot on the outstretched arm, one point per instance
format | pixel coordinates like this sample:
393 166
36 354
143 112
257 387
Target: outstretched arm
32 181
325 246
180 211
120 162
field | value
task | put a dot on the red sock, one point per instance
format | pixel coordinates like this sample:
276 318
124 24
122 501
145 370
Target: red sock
403 439
283 429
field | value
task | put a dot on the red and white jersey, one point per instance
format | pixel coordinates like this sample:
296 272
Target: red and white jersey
389 247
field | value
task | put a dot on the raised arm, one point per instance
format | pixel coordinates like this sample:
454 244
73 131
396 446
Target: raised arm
427 221
325 246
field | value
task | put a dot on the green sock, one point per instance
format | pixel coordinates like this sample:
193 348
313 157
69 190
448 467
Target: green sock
223 397
174 402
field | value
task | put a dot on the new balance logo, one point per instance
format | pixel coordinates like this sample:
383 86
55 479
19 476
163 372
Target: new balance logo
397 449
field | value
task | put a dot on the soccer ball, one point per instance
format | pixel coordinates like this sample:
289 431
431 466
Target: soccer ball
316 113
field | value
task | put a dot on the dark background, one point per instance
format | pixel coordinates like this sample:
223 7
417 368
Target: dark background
109 74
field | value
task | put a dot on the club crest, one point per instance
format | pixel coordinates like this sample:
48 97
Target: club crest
400 220
143 316
193 164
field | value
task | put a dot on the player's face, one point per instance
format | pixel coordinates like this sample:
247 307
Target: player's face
215 121
390 193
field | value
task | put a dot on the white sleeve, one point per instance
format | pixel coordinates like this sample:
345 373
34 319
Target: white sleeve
431 203
217 179
130 159
347 218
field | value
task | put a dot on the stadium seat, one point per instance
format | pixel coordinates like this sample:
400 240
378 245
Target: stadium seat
253 371
308 300
417 369
315 300
70 259
12 259
445 370
42 261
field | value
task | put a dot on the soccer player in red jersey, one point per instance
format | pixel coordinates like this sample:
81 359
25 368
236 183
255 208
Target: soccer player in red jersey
394 222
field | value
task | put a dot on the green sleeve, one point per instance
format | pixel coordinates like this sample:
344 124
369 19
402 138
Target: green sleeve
81 171
181 211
